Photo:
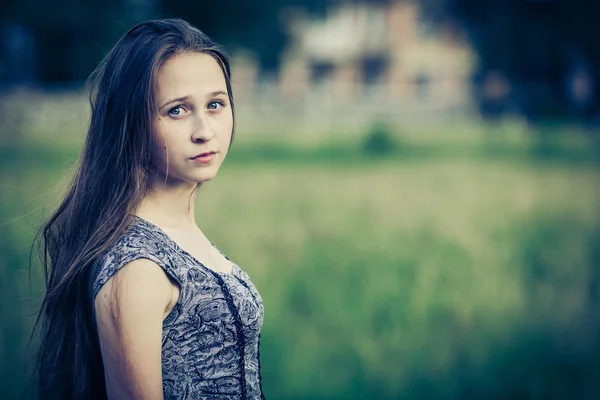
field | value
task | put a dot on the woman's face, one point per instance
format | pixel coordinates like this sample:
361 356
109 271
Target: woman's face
195 120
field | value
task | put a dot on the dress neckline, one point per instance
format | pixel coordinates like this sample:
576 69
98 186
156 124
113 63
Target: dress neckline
174 244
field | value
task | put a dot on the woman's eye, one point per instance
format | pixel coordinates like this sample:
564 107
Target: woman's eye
215 105
176 111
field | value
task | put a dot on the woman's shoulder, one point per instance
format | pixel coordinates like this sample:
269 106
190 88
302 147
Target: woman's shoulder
137 242
136 238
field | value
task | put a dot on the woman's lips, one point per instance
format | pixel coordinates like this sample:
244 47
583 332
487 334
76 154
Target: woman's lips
204 157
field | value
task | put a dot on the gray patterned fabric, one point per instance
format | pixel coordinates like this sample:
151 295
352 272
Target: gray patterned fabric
210 340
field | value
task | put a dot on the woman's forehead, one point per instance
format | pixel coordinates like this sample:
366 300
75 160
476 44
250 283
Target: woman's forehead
189 74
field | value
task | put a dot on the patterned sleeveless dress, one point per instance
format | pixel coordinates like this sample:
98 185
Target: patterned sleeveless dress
211 338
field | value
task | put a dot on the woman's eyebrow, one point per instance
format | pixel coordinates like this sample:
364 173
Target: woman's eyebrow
184 98
218 92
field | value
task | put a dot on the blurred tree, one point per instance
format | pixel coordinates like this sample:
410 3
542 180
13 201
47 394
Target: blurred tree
71 37
255 25
544 51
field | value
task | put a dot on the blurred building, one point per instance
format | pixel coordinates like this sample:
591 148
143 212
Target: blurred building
363 47
382 59
361 61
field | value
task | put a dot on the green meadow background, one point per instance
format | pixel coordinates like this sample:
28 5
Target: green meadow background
398 262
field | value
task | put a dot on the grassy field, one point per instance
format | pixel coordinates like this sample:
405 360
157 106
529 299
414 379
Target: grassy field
462 265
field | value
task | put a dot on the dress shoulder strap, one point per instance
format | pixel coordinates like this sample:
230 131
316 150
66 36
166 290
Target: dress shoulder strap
138 242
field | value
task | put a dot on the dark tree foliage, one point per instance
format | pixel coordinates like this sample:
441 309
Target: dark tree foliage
547 50
70 37
256 25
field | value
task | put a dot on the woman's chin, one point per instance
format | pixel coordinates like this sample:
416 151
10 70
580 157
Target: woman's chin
173 181
201 178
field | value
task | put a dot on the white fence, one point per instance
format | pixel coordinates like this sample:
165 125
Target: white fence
65 112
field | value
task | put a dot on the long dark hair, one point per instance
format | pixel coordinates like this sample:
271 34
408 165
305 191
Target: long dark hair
110 179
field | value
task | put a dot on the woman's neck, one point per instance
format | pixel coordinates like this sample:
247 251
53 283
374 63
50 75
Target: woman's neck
169 206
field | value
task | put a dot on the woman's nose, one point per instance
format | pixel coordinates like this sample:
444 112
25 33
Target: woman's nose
201 130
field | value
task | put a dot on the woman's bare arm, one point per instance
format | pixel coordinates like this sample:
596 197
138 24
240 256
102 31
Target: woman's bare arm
130 308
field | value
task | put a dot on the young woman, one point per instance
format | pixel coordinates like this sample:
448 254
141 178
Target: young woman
139 303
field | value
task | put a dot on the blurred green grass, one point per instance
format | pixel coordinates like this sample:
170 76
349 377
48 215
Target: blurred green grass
463 265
